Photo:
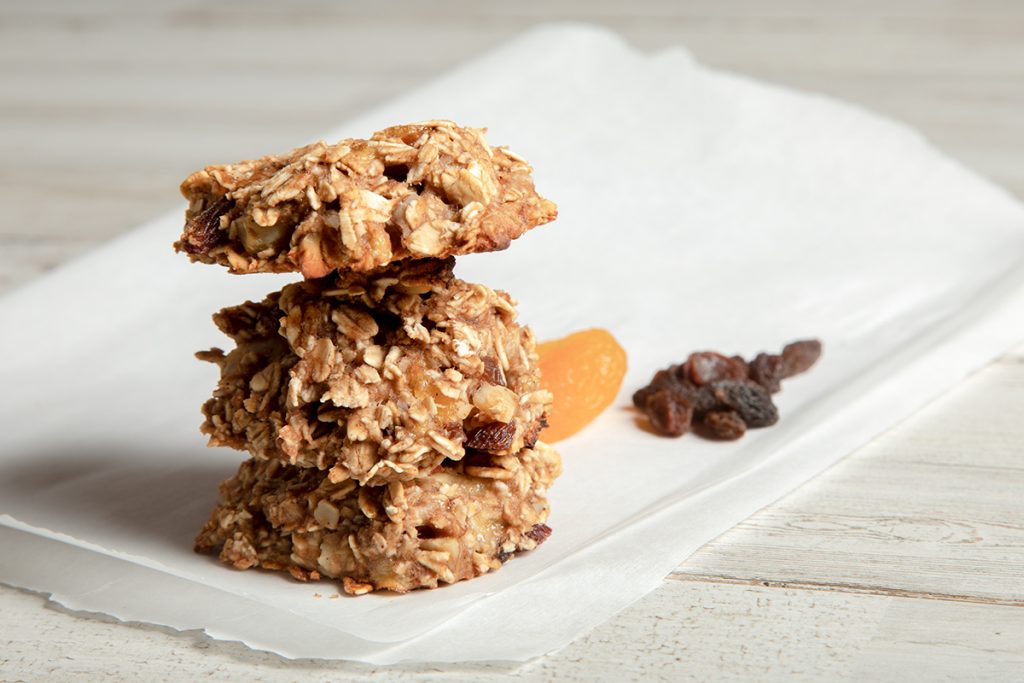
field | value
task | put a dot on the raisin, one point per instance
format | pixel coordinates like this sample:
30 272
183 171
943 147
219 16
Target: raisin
202 231
767 370
493 372
533 433
670 414
666 378
474 458
676 379
721 396
641 395
707 367
539 533
663 380
800 356
680 372
701 398
750 400
504 556
724 424
493 436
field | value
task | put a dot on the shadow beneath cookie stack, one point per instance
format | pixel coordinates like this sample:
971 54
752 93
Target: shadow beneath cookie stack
111 493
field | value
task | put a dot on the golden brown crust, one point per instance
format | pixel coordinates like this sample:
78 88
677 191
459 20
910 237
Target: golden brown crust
422 190
464 520
377 377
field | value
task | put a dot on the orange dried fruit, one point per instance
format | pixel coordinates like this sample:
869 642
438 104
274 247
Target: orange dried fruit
584 372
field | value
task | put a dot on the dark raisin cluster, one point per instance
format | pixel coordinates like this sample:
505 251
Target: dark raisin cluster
719 396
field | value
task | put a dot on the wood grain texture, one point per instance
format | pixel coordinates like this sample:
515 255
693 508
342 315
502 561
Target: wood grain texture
932 509
903 561
684 631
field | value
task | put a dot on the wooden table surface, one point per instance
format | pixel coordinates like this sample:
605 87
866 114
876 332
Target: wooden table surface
903 562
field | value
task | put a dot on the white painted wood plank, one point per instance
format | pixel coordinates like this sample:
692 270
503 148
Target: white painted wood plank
920 641
934 506
21 261
685 631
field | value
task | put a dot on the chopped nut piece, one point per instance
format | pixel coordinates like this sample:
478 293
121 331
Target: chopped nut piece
326 514
354 587
494 436
496 402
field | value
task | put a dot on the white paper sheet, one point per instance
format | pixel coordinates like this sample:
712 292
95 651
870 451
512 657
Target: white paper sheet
698 209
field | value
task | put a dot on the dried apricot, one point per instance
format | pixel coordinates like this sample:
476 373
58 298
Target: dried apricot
584 372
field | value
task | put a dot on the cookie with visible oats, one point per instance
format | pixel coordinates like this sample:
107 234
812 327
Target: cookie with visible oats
464 520
425 190
377 377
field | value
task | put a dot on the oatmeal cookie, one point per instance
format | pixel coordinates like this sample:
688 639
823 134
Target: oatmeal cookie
465 519
422 190
377 377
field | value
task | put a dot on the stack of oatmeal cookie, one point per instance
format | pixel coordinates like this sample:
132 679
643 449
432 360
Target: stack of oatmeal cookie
391 410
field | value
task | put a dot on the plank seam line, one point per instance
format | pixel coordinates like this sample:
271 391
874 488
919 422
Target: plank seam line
863 589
